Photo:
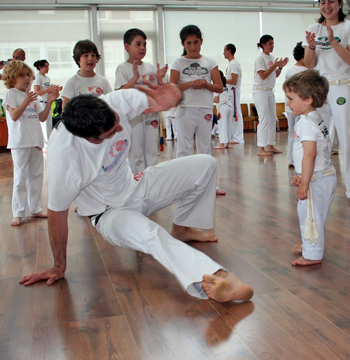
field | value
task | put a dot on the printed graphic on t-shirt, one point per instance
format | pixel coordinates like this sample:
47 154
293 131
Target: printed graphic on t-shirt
195 69
152 77
47 83
208 117
31 110
93 90
115 156
324 43
270 63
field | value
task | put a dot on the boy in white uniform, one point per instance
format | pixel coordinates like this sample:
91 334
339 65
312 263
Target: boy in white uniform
316 179
85 81
23 116
91 167
144 135
234 81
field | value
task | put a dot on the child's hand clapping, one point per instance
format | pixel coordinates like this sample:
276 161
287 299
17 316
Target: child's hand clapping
30 96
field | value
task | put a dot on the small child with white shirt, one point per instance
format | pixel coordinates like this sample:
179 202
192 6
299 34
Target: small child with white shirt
316 177
25 139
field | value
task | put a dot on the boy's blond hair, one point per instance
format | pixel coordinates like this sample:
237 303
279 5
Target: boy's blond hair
308 83
13 70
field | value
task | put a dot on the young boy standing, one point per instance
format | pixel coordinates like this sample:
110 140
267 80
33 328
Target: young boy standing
23 116
85 81
144 134
316 179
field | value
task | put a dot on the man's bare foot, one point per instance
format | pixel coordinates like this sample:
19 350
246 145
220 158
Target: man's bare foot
290 165
264 153
185 233
334 152
297 248
16 221
40 214
302 261
234 142
228 146
273 150
225 286
220 192
219 147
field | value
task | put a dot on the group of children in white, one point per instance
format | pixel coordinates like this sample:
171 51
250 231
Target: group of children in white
326 45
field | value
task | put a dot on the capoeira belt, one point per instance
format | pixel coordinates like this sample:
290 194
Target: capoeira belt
262 88
311 232
235 105
340 82
97 216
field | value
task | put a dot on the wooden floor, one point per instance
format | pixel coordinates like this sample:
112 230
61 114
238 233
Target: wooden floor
118 304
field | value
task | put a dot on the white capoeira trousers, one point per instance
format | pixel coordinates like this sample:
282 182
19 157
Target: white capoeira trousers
46 126
191 182
170 120
237 118
265 104
28 171
190 121
339 101
225 123
323 189
144 145
292 120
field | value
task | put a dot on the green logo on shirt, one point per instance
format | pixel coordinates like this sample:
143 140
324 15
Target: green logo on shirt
341 101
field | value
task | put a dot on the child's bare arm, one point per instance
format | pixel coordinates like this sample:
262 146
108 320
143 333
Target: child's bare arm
296 180
131 84
174 78
17 113
52 95
308 165
216 85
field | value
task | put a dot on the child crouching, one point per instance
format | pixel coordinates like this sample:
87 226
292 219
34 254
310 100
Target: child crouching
25 139
316 179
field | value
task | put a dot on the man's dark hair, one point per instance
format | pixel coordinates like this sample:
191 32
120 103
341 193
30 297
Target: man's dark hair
87 116
131 33
232 48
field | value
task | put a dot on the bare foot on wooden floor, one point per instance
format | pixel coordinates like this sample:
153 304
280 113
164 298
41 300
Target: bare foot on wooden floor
220 192
16 221
264 153
225 286
297 248
185 233
273 150
304 262
219 147
40 214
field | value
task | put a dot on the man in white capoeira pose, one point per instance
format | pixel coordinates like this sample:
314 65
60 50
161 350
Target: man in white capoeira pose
88 164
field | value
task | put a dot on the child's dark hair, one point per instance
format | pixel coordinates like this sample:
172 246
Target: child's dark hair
87 116
187 31
231 47
223 79
341 15
298 51
131 33
83 47
308 83
263 40
40 63
13 70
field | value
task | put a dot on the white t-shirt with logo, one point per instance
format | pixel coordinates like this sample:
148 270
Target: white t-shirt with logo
328 62
79 85
290 72
224 98
311 127
26 131
234 67
264 62
94 175
195 69
124 73
44 82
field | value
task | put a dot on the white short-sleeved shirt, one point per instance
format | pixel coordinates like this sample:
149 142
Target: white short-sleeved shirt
195 69
94 175
224 98
234 67
78 85
26 131
328 62
124 73
264 62
44 82
311 127
290 72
